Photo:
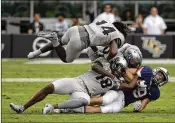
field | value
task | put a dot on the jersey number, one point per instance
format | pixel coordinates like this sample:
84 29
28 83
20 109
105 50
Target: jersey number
139 92
104 81
106 30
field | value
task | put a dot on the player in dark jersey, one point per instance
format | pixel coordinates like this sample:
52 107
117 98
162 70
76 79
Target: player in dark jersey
114 101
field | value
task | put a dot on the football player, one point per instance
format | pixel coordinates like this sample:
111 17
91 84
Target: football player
79 88
114 101
78 38
131 53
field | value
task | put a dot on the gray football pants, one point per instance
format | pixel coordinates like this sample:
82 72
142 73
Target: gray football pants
76 40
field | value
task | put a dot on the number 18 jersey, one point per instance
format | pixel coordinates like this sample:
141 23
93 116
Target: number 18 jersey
96 83
102 33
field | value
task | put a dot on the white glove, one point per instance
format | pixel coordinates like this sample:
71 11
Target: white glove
141 83
137 106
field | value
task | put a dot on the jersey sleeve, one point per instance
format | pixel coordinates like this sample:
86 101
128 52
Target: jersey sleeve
145 73
105 64
154 93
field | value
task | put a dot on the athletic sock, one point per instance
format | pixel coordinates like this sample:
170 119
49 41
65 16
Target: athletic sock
55 42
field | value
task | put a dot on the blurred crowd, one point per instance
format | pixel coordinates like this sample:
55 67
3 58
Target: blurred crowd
153 24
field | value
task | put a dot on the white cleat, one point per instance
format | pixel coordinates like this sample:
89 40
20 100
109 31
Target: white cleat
31 55
58 111
48 108
48 35
18 108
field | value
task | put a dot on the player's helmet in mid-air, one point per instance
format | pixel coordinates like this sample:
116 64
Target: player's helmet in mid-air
160 76
123 28
133 58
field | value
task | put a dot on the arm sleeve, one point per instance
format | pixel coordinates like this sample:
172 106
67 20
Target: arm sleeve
163 25
154 93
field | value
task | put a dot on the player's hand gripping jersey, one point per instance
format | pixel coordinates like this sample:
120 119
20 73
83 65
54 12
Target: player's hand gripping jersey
96 83
102 33
151 91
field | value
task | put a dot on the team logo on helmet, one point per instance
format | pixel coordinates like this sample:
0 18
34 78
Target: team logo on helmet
153 46
40 42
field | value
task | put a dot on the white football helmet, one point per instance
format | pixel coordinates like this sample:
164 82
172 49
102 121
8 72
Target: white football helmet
157 78
133 58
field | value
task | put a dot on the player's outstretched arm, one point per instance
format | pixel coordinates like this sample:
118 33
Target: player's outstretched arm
113 48
140 108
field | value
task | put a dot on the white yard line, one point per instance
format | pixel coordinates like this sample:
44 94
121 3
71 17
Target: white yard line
172 79
85 61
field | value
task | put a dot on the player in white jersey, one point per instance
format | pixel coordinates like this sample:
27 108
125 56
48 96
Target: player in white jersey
131 53
78 38
79 88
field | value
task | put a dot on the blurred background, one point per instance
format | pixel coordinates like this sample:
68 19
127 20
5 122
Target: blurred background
152 23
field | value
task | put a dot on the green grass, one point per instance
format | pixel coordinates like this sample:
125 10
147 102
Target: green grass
162 110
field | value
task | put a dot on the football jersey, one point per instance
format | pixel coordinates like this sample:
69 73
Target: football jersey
91 54
96 83
102 33
151 91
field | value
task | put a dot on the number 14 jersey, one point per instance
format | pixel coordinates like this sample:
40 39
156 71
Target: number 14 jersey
102 33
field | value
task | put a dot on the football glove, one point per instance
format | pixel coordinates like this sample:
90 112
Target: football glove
141 83
137 106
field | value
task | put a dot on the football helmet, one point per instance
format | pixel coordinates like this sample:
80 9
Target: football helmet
118 64
133 58
160 76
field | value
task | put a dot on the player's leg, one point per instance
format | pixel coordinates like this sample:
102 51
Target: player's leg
74 45
39 96
62 86
78 99
43 49
109 97
116 106
96 102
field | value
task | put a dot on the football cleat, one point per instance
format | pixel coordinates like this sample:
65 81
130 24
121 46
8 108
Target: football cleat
48 108
31 55
48 35
18 108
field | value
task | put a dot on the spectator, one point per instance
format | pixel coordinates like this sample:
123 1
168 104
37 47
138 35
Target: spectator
106 15
36 25
128 16
116 14
75 21
137 26
61 25
154 24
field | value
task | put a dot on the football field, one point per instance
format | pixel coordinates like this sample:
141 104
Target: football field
20 81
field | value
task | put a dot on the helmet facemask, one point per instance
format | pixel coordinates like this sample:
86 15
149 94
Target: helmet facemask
160 77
